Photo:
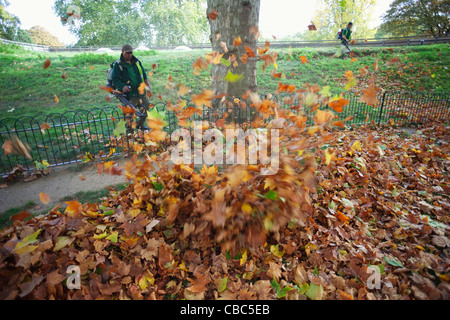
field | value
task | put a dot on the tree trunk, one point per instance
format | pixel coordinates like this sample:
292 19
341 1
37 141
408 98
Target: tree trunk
236 18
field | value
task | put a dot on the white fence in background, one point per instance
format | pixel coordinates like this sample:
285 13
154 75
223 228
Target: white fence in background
382 42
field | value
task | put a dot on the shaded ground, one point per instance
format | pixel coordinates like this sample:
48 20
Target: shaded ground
63 182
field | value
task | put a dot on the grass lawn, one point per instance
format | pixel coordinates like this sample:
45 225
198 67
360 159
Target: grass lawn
28 89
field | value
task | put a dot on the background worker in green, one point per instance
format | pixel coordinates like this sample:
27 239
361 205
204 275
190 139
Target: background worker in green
345 37
127 76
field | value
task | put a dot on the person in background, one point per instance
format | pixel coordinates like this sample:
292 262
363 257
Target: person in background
345 36
129 76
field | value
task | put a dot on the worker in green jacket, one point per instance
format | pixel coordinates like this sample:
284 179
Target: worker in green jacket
128 76
345 35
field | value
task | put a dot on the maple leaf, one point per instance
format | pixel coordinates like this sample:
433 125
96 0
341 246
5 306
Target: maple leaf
202 279
250 53
74 208
322 117
337 105
203 99
370 95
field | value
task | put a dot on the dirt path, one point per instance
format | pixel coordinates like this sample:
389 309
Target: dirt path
62 182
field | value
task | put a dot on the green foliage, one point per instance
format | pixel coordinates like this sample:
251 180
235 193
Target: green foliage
334 15
41 36
86 58
416 17
8 24
108 22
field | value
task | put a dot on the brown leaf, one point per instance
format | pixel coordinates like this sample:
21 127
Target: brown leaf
46 64
213 15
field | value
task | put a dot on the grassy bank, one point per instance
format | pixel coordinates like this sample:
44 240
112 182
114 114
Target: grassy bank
28 89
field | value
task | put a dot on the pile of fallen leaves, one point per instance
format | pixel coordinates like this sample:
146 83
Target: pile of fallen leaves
377 199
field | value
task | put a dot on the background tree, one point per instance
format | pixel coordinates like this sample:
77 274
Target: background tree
176 22
41 36
9 24
417 17
334 15
104 22
110 22
234 19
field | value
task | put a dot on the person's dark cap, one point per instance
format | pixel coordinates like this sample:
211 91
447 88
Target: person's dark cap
127 48
351 23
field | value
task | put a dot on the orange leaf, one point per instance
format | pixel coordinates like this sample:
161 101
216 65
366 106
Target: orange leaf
237 41
203 99
45 126
45 198
74 207
20 216
244 58
303 59
213 15
338 124
370 95
339 104
322 117
46 64
199 64
250 52
348 74
56 99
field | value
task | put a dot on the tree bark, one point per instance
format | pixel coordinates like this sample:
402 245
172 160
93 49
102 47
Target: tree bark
236 18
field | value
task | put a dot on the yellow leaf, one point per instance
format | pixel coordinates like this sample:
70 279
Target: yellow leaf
100 236
61 242
246 208
230 77
356 146
113 236
243 258
56 99
329 156
276 251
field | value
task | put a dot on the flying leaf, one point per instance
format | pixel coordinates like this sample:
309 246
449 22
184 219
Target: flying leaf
213 14
46 64
370 95
230 77
337 105
45 198
120 128
237 42
203 99
303 59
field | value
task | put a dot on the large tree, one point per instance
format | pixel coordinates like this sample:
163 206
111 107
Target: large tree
417 17
333 15
232 20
